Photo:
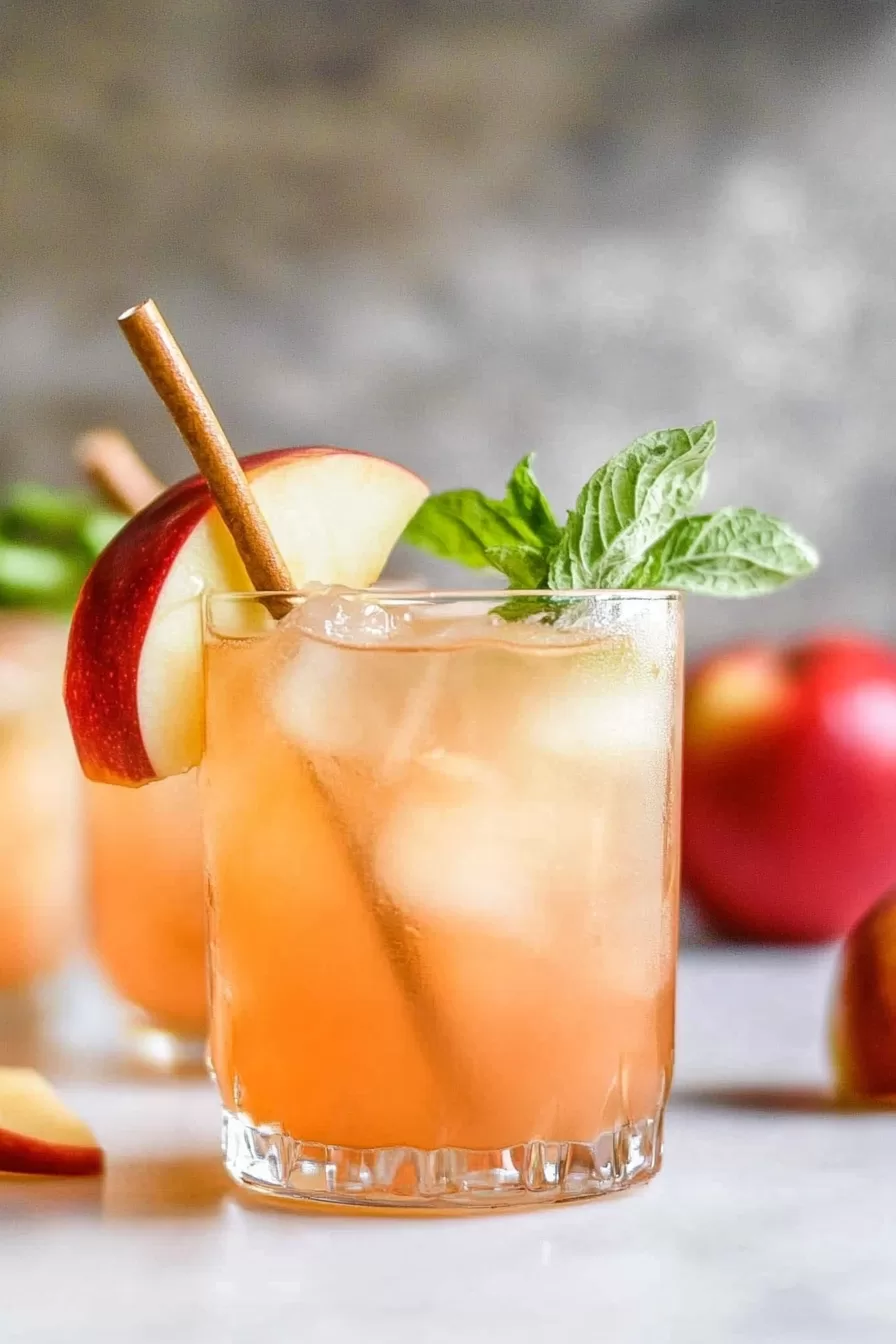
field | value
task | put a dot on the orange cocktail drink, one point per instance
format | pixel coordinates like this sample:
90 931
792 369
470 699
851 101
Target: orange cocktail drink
147 910
443 872
40 796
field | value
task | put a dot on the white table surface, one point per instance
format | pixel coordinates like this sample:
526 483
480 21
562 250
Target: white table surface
773 1219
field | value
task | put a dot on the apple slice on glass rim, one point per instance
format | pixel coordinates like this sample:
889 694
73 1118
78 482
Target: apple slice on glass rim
133 681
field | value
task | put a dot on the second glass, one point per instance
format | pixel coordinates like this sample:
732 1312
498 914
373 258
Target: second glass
147 912
442 849
40 796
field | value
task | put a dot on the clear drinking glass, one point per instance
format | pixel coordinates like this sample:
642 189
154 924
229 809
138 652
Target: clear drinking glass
40 804
442 853
147 912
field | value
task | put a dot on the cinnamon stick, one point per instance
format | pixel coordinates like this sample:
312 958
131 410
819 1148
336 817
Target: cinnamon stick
118 473
164 364
166 367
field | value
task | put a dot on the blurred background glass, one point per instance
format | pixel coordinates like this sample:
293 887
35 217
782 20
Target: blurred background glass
452 234
40 809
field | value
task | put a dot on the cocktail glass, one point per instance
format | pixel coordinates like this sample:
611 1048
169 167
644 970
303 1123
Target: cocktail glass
147 912
442 854
40 804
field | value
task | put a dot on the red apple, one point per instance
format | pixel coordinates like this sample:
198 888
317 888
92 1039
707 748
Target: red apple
789 816
133 682
864 1020
39 1136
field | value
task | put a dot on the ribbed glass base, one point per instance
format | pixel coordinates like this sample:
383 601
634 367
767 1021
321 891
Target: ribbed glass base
264 1159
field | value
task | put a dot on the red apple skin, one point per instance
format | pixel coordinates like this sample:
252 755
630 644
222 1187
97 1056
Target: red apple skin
113 615
789 803
105 621
20 1154
864 1018
39 1136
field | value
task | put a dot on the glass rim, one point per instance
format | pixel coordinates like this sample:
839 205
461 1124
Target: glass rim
401 595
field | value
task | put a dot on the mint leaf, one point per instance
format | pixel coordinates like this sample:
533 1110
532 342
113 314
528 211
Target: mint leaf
48 541
461 525
99 529
524 606
628 504
465 525
523 566
524 496
38 577
732 553
35 512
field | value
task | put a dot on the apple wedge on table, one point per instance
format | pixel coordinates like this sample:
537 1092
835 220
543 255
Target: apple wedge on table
39 1136
133 683
863 1020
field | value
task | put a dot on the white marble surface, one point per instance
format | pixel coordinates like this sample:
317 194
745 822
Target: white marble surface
772 1220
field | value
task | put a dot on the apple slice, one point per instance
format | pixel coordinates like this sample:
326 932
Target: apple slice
39 1136
133 681
863 1034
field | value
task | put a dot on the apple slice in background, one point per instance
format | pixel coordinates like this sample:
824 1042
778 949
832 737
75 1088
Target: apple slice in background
133 682
39 1136
863 1027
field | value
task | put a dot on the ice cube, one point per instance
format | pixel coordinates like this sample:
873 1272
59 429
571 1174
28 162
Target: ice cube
461 861
342 701
465 841
597 704
447 767
349 684
346 616
582 721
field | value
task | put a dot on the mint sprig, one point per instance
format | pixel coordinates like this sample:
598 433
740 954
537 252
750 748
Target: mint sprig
513 535
631 527
48 541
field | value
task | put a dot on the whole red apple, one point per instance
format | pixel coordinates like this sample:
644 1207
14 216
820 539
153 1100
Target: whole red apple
789 810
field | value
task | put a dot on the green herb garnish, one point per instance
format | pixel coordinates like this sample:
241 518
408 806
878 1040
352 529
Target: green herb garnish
632 527
48 541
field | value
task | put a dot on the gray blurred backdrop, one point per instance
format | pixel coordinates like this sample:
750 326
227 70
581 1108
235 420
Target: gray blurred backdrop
451 233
